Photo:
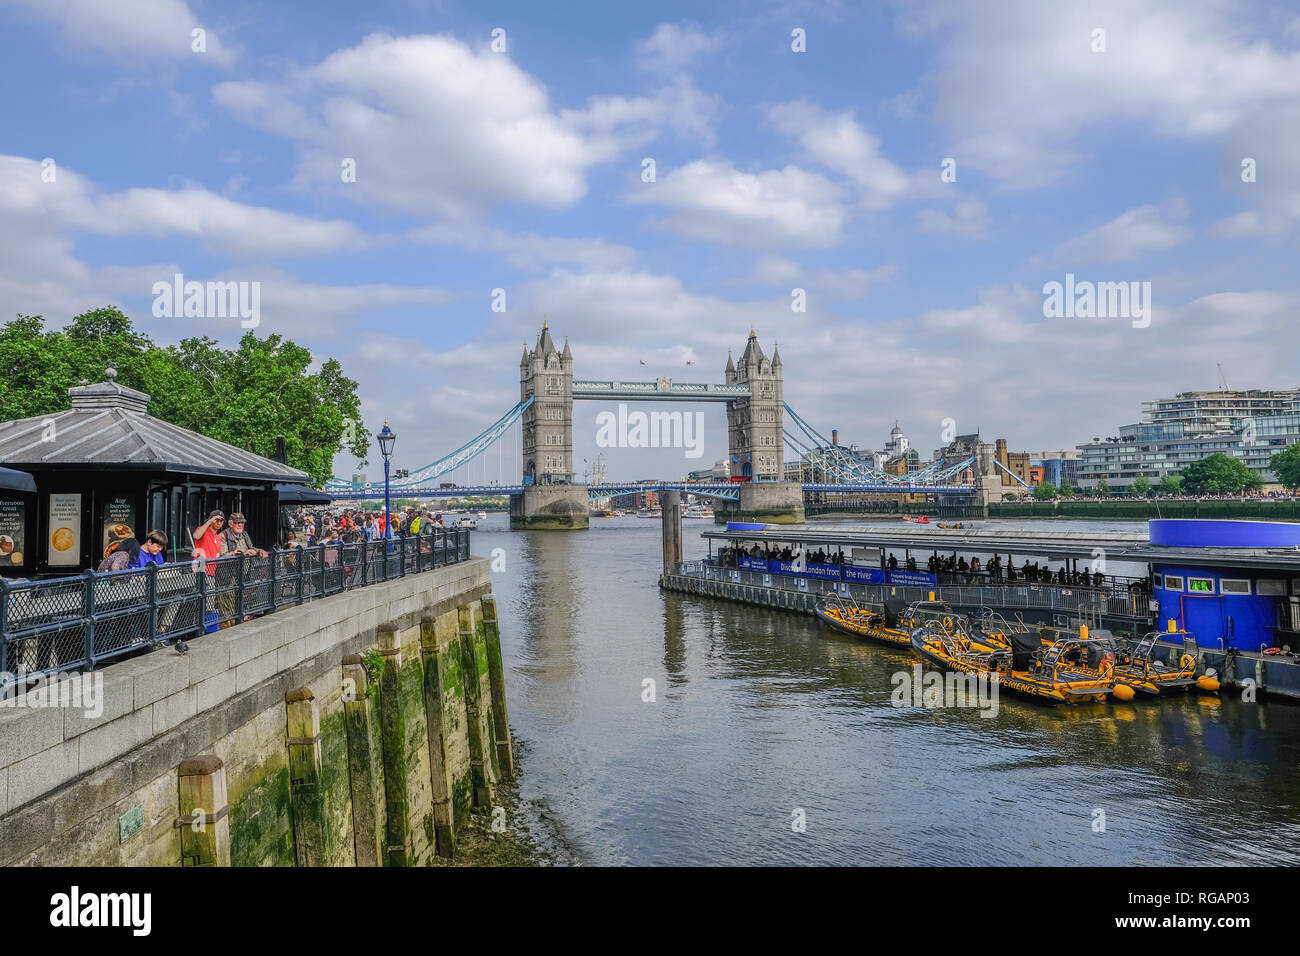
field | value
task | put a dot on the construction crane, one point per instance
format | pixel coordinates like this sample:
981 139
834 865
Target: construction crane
1223 379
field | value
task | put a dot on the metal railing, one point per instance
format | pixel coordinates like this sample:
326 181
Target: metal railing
80 622
1044 596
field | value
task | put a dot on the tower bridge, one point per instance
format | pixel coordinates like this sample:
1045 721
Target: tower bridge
760 425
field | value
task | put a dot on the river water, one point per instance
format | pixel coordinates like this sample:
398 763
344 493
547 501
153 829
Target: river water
763 720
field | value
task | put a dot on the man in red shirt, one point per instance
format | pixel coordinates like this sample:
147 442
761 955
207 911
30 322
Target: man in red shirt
207 544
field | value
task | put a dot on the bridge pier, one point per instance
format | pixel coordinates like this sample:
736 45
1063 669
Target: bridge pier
550 508
772 502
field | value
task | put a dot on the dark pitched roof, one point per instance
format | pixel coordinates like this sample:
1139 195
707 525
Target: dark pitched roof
109 426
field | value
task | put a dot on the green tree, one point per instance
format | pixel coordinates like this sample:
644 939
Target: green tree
1102 489
1141 485
1044 491
1220 474
244 396
1171 485
1067 489
1286 466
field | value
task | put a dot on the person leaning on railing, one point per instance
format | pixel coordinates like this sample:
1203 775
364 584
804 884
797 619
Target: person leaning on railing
235 540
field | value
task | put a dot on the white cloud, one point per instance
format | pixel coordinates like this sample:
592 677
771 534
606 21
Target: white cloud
674 48
529 250
837 284
713 200
969 219
1131 235
437 127
131 30
1021 87
71 203
838 142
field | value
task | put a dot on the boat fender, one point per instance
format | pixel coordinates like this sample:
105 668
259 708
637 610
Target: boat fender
1123 692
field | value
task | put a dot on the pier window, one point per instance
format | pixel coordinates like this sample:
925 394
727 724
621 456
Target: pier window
1173 582
1236 585
1202 586
1158 580
1271 587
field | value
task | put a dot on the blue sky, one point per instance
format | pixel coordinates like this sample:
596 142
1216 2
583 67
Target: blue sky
820 170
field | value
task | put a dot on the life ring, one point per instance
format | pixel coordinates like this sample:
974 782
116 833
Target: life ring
1186 661
947 624
1273 650
1106 667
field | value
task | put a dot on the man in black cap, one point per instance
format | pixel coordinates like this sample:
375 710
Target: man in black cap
235 539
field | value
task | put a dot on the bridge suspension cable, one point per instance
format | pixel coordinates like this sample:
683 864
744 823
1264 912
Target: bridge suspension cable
845 466
461 456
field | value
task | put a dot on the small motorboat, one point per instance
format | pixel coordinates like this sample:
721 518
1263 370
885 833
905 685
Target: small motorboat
889 623
482 516
467 522
918 519
1138 668
1072 670
650 513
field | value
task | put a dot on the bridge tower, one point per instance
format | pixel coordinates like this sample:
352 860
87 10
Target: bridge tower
550 500
546 375
756 440
755 436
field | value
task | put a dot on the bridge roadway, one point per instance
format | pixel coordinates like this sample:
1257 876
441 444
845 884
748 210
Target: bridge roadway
725 490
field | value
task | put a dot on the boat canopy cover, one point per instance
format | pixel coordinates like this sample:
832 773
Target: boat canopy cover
1022 648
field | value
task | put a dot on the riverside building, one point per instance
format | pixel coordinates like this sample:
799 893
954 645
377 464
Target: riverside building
1251 425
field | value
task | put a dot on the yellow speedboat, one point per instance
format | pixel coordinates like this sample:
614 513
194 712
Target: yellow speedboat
1140 670
884 623
1069 671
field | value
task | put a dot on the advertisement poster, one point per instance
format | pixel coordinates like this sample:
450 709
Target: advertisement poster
13 520
65 529
118 521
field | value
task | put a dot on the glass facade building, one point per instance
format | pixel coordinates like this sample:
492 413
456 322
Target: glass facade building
1251 426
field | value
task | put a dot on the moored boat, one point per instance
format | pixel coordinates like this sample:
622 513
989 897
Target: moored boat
1139 669
1072 670
888 623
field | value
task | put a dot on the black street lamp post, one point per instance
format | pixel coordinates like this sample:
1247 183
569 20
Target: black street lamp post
387 438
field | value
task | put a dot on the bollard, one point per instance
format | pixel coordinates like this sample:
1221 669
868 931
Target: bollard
306 801
204 822
365 769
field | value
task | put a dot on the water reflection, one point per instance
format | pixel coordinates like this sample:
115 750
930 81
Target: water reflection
759 713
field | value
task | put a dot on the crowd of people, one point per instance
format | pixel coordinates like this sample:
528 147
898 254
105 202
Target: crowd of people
948 569
351 526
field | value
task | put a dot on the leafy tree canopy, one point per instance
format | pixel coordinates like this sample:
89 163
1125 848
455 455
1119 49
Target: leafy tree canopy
1045 491
1286 466
1141 485
1171 485
1220 474
244 396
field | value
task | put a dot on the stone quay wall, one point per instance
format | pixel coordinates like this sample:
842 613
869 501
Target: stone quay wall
359 729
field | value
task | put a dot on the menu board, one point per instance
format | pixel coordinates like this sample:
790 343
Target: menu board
13 525
118 521
65 530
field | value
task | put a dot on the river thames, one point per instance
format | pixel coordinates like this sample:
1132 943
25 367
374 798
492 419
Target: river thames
762 718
